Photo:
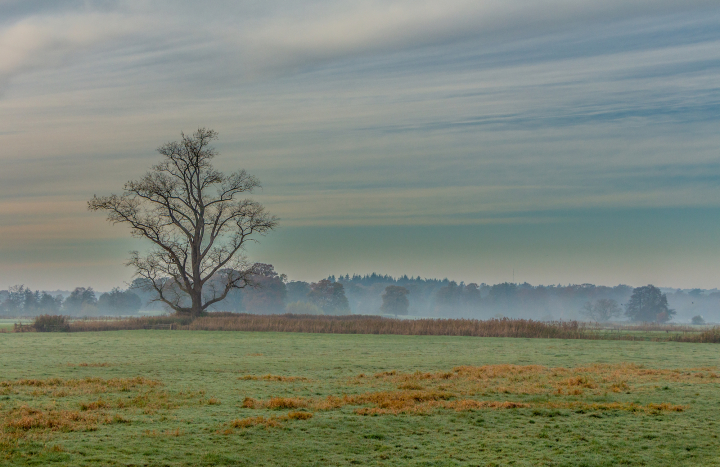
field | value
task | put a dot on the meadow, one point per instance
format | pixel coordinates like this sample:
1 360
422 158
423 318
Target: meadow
182 398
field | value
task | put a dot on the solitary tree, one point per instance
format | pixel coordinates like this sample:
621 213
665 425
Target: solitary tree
197 221
648 304
394 300
602 310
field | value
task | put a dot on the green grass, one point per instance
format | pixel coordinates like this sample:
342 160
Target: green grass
189 431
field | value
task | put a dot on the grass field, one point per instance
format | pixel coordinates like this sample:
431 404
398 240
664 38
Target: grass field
233 398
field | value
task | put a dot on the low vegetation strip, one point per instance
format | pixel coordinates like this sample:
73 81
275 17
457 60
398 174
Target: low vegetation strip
364 324
355 324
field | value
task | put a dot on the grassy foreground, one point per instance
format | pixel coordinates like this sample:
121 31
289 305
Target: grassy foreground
233 398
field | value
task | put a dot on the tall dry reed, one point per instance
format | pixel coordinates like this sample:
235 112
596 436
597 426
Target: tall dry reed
357 324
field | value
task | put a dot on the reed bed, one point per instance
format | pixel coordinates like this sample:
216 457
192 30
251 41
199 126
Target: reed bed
364 324
128 324
711 336
359 324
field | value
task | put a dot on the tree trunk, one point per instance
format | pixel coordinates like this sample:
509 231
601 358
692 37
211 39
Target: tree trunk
196 309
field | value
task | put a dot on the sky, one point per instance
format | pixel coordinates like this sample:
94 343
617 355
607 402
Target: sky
547 141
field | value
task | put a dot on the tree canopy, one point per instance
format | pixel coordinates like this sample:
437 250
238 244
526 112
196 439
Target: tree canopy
648 304
604 309
395 301
329 297
197 220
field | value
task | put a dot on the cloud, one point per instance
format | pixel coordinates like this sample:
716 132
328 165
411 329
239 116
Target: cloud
278 36
51 41
324 31
362 113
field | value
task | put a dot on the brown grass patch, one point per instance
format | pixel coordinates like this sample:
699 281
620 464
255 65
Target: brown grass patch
269 422
534 379
268 377
299 415
150 402
278 403
624 406
24 418
255 421
91 365
167 433
411 386
58 387
422 392
98 404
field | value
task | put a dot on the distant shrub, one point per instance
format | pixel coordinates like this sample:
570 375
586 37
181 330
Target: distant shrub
698 320
51 323
303 308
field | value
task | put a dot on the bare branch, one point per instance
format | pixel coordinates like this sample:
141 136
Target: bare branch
189 211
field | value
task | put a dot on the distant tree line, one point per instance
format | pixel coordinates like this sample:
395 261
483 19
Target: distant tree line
22 301
272 293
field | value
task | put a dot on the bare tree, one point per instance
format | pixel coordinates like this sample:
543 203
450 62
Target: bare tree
197 220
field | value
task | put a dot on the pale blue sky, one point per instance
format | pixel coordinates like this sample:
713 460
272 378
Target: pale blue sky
572 141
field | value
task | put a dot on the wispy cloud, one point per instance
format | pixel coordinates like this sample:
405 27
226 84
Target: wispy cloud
365 112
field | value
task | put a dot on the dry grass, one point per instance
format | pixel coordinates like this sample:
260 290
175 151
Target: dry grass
167 433
348 324
278 403
115 324
535 379
138 395
278 378
90 365
57 387
26 418
360 324
363 324
711 336
423 392
269 422
299 416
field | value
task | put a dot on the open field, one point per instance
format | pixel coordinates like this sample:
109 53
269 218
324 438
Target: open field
151 397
